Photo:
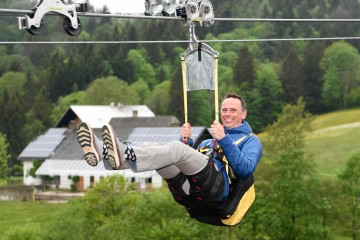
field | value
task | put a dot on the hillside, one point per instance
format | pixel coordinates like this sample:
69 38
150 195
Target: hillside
335 137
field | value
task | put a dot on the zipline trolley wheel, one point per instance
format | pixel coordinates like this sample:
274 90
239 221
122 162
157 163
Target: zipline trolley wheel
33 22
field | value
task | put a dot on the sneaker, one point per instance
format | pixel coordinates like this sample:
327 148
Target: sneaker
86 139
114 147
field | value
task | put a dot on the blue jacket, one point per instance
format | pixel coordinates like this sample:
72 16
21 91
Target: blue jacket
244 157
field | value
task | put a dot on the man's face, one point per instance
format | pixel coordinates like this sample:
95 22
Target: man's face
232 113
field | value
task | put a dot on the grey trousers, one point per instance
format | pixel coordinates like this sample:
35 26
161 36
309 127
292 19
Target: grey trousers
167 159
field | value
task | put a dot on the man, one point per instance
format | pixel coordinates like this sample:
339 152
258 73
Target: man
201 182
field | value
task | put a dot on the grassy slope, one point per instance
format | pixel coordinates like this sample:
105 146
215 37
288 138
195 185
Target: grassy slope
336 136
14 213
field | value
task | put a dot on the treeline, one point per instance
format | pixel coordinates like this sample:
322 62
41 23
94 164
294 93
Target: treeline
39 81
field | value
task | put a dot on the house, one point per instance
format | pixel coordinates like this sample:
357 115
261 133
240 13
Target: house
62 157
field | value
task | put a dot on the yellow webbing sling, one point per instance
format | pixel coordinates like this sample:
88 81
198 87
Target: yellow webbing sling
230 173
247 199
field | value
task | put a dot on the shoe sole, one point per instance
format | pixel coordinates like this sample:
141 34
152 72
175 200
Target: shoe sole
85 138
108 136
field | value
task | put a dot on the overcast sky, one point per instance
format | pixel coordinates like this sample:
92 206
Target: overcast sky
120 6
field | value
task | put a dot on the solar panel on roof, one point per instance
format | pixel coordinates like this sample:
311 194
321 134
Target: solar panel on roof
56 131
44 145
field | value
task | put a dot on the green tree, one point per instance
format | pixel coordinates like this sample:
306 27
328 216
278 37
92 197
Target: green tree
12 81
291 76
12 120
104 91
159 98
266 99
142 88
313 76
14 63
340 64
294 202
4 156
244 70
141 67
38 117
350 178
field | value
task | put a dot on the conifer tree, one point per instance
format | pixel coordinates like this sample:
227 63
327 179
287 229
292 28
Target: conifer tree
351 188
244 70
294 204
313 80
291 76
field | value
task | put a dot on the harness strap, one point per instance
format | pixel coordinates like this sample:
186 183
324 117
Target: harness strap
229 171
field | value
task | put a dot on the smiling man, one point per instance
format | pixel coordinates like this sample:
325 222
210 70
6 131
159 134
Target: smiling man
214 183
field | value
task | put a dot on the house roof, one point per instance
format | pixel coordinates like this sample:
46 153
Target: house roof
56 167
44 145
98 115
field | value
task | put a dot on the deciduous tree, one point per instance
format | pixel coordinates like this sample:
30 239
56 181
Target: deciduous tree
4 156
104 91
340 64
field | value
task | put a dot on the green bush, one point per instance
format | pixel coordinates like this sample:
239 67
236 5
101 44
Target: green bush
70 222
23 232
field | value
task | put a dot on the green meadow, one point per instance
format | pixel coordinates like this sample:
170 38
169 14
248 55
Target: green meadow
334 138
19 213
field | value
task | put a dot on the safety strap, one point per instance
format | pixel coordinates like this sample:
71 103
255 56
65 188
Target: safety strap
229 171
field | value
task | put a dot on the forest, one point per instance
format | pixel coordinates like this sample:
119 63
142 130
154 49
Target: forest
38 82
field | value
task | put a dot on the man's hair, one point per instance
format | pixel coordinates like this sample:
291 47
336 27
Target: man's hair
234 95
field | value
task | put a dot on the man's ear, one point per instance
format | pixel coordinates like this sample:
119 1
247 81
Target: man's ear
243 114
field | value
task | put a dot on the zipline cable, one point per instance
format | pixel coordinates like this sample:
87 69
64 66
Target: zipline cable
182 41
16 12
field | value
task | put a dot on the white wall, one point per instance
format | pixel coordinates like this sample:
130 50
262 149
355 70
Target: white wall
27 179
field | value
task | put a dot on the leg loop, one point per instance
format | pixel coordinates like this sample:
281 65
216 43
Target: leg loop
208 185
175 186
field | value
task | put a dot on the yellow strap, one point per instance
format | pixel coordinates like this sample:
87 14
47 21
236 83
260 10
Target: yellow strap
226 162
240 140
216 92
183 67
242 208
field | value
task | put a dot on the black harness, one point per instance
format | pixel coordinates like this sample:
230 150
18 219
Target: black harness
207 210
